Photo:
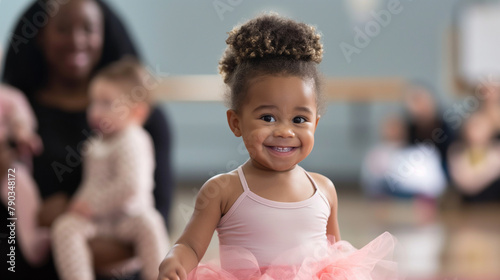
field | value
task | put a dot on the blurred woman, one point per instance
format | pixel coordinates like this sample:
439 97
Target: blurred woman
53 53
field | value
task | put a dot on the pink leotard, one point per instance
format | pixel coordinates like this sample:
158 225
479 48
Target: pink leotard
267 228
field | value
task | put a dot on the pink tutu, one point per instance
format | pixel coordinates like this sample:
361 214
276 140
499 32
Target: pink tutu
337 260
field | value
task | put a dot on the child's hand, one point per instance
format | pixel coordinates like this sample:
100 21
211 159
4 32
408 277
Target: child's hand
82 208
28 142
52 207
27 146
171 269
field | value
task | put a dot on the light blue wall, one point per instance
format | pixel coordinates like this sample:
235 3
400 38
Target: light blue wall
187 37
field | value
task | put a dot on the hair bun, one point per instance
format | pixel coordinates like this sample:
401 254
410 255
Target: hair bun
270 36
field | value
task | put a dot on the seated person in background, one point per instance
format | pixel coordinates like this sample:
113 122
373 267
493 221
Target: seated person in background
425 122
53 70
393 169
475 161
116 194
18 191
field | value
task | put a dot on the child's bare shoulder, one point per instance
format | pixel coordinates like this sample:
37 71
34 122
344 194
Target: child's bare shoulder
223 181
226 187
326 186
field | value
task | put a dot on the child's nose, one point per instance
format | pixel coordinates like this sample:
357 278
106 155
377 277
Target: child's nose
284 131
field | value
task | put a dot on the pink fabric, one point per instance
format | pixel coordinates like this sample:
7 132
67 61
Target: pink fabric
258 224
333 261
118 174
264 239
118 187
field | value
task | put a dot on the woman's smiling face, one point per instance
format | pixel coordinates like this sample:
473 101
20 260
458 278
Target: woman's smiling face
73 39
277 121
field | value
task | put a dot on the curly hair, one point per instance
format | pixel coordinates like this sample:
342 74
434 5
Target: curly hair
269 45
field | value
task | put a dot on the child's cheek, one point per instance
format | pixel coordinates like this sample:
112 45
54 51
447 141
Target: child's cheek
309 139
253 142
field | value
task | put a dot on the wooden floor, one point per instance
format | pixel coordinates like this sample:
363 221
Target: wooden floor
448 241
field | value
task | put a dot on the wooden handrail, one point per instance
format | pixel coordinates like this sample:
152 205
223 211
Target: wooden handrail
206 88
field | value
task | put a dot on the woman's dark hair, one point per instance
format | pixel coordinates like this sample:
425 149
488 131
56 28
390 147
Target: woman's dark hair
270 45
25 66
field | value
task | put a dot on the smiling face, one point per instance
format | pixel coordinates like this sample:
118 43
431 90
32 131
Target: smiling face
72 40
277 121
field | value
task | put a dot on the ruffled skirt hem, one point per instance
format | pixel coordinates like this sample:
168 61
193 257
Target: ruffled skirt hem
337 260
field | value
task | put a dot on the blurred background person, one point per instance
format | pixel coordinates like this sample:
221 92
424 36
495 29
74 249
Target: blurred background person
425 124
475 160
53 70
410 160
406 167
392 168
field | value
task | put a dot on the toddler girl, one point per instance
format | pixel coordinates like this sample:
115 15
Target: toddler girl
273 218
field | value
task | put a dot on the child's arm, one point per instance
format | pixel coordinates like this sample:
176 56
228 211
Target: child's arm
82 208
191 246
332 227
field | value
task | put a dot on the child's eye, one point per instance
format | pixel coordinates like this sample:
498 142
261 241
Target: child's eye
299 120
268 118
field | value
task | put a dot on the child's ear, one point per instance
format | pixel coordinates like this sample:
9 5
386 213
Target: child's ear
317 120
234 122
141 112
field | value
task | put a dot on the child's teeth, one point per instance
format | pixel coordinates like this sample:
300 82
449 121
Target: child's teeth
283 149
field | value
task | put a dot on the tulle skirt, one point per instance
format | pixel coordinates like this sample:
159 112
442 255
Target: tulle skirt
335 260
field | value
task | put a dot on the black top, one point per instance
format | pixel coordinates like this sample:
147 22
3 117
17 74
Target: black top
439 133
59 167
